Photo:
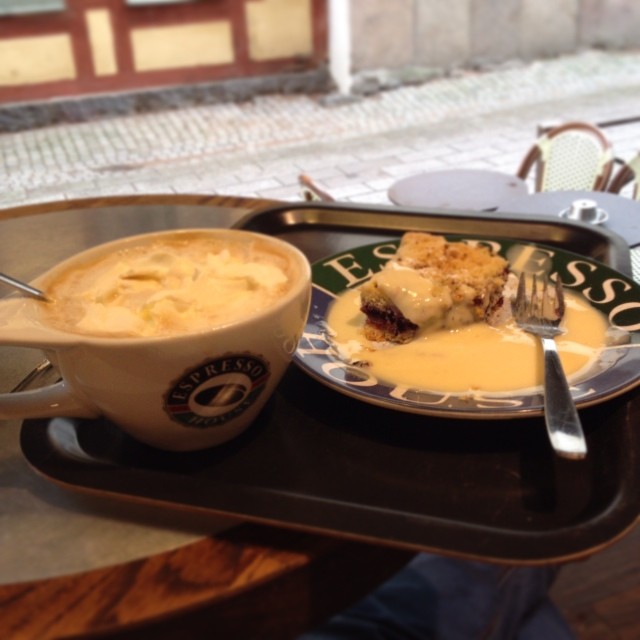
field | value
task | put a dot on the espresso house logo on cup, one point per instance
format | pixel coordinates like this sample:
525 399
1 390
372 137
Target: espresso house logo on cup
178 337
218 390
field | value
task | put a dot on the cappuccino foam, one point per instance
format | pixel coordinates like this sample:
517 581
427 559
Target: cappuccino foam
169 286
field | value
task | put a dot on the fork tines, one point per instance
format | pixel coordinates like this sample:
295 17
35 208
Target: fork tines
548 305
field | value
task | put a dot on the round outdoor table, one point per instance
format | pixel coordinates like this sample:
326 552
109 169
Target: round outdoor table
460 189
624 213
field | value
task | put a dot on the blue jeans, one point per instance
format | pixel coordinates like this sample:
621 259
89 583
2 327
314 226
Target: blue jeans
436 598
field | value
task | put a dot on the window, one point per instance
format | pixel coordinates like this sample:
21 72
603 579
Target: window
21 7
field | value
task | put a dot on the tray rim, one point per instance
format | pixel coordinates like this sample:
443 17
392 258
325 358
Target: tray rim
472 540
620 250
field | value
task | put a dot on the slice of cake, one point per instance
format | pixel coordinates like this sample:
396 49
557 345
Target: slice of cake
432 284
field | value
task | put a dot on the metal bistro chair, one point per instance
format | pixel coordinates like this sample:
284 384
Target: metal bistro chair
575 156
629 173
311 191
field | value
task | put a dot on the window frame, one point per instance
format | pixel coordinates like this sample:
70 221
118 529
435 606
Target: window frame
31 7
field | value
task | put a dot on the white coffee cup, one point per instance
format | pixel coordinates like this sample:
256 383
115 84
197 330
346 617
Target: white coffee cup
187 391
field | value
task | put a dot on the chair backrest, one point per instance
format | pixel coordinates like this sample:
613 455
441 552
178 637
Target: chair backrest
573 156
628 173
311 191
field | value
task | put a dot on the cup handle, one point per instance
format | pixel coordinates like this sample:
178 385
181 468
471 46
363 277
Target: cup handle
57 399
46 402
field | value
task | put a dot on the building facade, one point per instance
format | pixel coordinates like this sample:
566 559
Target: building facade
68 48
61 48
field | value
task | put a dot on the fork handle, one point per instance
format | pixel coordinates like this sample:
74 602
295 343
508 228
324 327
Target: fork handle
561 417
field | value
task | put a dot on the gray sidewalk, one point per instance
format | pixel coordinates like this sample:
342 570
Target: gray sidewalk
355 149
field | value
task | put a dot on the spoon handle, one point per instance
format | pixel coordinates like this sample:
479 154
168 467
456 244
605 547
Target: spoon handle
23 286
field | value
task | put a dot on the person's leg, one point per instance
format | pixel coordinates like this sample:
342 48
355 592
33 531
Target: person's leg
525 610
442 598
545 622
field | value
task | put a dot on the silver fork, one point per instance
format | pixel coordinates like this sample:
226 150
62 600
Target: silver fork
540 314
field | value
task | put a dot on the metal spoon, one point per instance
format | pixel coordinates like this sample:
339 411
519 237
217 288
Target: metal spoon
25 288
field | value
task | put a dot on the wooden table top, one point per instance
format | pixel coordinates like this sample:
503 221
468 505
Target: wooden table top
253 581
459 189
248 580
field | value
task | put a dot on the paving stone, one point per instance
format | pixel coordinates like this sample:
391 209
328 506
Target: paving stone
363 176
376 197
381 149
289 192
402 170
469 156
353 191
258 185
381 184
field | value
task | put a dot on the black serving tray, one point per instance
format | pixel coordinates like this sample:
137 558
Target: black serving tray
323 462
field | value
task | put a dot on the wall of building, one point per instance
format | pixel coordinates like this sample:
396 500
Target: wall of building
98 46
431 36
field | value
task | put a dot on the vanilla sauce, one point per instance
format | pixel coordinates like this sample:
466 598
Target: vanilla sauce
474 358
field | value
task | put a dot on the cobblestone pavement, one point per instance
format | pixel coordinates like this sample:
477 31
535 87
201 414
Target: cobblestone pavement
355 149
